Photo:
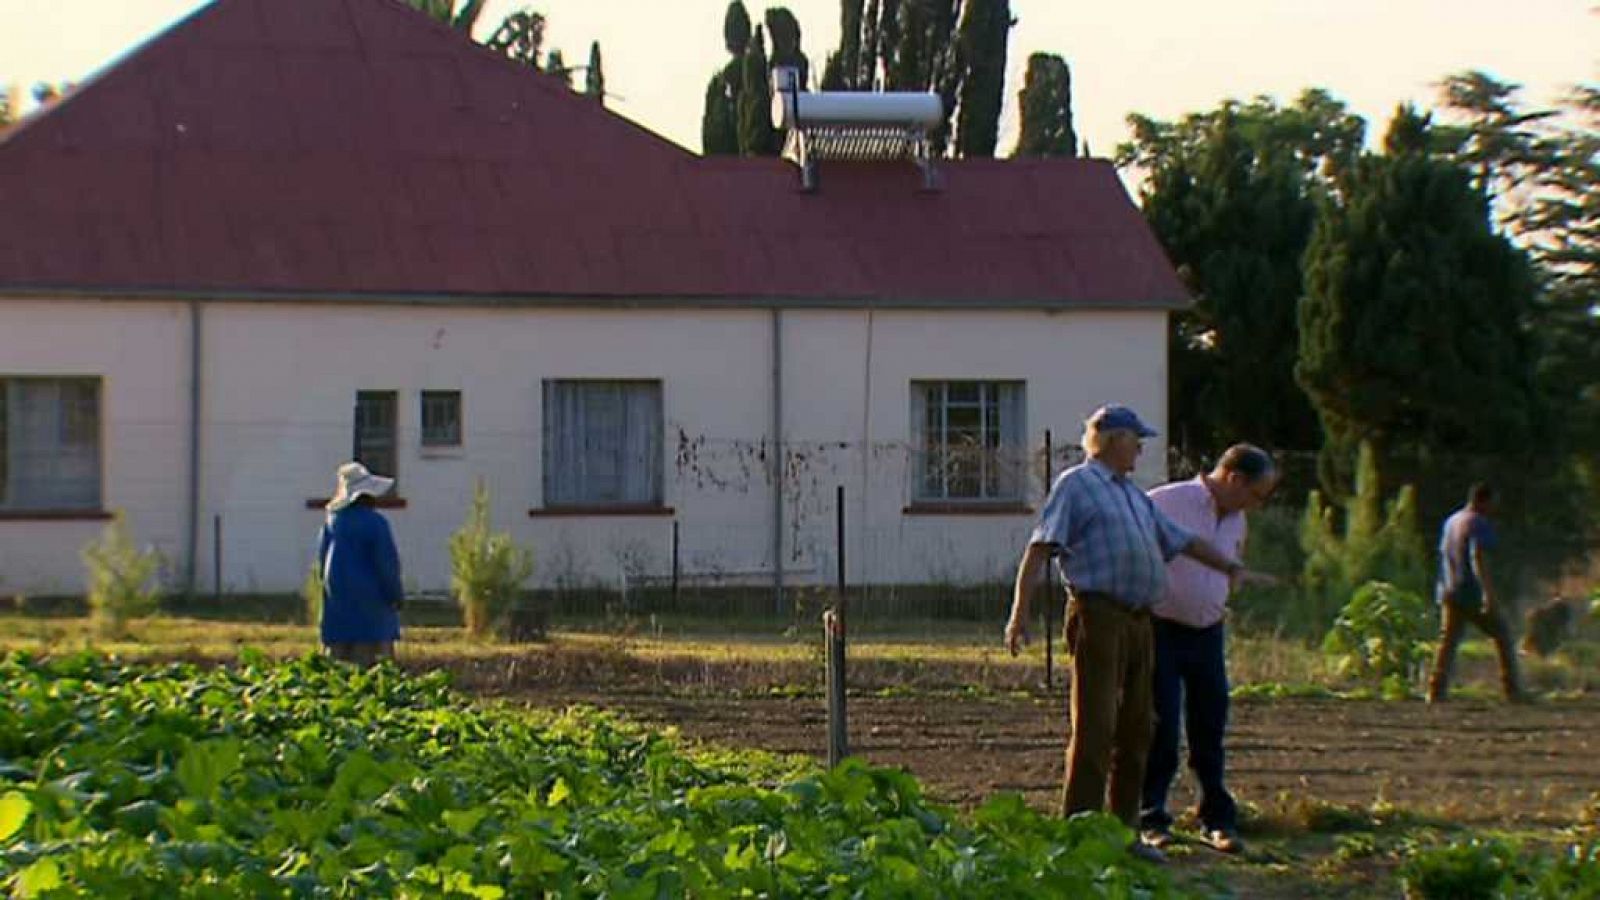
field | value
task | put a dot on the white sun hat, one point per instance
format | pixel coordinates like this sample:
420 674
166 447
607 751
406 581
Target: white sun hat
355 480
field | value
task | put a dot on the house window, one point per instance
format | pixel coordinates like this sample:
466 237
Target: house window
969 441
602 443
377 415
441 419
49 443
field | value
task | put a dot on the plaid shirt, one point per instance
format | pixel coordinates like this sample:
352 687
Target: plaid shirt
1116 541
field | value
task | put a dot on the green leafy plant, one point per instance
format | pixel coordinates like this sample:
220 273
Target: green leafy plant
311 779
122 580
1476 869
1381 634
487 568
1496 869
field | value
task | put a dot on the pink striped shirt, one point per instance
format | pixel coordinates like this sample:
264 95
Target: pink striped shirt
1197 595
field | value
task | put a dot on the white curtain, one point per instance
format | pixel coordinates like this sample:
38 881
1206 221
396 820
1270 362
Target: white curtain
602 442
52 443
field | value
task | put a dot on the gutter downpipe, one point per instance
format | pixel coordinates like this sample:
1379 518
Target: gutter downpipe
777 459
192 523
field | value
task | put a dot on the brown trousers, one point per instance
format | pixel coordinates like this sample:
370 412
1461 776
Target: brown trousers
1112 707
361 653
1453 626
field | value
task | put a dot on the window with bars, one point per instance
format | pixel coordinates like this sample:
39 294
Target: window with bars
441 419
49 443
602 443
376 427
968 440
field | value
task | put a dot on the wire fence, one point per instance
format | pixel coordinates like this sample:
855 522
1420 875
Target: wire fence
731 527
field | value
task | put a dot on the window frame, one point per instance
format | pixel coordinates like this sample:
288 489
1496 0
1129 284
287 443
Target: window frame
74 430
429 442
1001 477
561 501
359 442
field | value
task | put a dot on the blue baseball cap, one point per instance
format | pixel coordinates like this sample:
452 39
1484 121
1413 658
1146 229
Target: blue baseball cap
1115 416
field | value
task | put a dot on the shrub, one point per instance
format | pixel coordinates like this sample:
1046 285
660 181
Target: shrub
487 568
1492 868
1378 542
121 580
311 594
1381 634
1459 871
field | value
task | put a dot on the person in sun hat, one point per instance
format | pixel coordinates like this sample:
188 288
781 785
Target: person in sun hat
1115 544
359 568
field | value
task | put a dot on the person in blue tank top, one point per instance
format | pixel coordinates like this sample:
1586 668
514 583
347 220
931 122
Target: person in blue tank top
1467 593
359 567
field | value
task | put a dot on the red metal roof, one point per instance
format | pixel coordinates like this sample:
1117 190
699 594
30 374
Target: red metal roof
337 148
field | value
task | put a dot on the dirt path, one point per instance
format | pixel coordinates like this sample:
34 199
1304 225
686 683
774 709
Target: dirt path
1473 762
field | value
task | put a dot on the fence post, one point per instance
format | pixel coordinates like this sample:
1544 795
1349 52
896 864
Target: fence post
1046 591
675 565
833 627
216 559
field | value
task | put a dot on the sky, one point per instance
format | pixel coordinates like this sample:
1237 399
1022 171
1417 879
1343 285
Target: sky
1162 58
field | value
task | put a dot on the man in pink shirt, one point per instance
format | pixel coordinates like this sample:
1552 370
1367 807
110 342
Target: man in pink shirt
1190 667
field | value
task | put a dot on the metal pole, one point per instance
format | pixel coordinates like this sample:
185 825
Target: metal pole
777 461
216 558
674 565
191 522
1048 590
833 626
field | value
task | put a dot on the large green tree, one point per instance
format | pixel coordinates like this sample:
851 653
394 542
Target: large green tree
1539 168
1046 103
1412 323
1231 193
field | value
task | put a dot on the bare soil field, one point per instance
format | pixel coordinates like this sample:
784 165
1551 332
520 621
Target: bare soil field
1474 762
968 731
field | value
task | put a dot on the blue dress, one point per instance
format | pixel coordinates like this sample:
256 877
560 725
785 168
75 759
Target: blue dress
360 570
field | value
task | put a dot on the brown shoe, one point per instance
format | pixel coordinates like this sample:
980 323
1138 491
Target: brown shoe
1223 840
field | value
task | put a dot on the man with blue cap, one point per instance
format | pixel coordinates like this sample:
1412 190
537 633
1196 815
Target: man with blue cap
1115 545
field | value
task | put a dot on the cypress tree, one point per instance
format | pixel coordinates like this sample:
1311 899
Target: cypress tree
1046 103
756 134
985 27
594 77
555 65
736 29
784 29
719 132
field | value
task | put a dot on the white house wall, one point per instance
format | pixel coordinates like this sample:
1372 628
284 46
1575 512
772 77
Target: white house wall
280 383
141 352
1070 362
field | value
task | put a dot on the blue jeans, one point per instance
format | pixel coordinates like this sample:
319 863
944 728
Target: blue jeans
1191 678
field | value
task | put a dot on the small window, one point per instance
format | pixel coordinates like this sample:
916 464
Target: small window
441 419
969 442
602 443
376 423
50 443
